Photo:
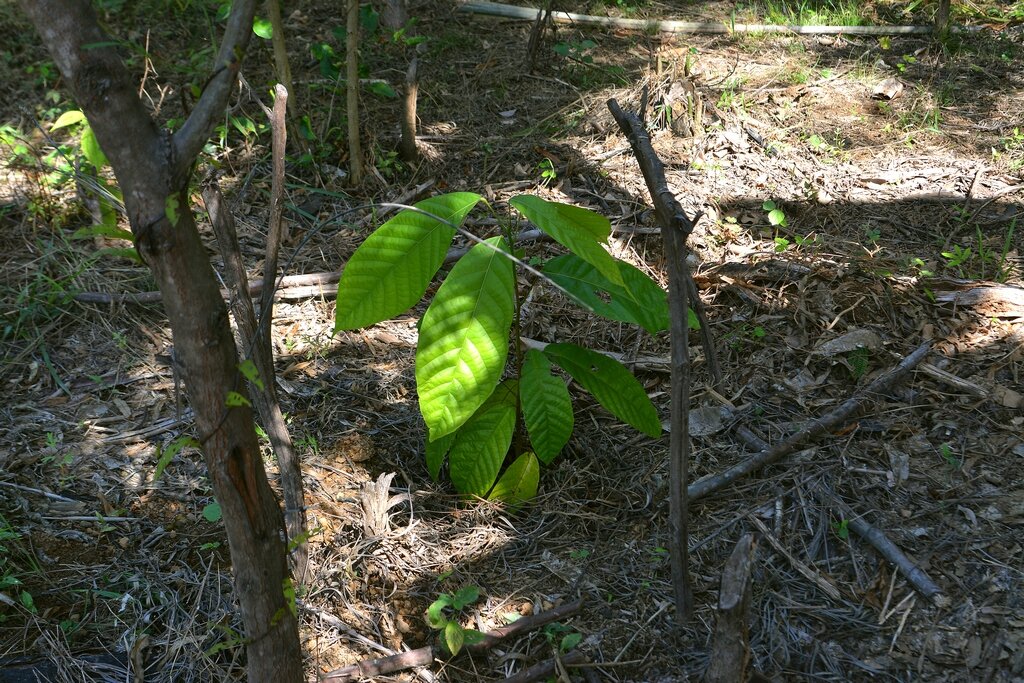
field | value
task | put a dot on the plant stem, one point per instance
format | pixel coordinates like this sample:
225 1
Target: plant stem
518 442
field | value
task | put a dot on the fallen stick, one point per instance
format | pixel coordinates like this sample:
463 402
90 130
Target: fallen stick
916 576
875 537
837 417
676 226
548 668
730 652
289 287
425 656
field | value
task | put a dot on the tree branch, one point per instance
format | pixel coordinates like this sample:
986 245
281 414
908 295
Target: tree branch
189 141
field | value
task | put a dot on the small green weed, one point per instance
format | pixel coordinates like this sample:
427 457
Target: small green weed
563 637
445 614
842 529
949 457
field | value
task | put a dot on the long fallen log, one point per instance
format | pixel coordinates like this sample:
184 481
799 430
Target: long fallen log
497 9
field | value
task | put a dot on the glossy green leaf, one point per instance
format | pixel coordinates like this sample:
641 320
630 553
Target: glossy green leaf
436 452
610 383
639 300
103 231
262 28
463 341
392 268
579 230
519 482
68 118
547 407
453 637
91 149
482 443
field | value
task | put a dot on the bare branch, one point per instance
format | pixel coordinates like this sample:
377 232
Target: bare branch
189 141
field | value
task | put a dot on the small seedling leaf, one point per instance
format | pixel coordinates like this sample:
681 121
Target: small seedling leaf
262 28
212 512
435 613
579 230
471 636
463 341
610 383
465 596
776 217
68 118
392 268
519 482
482 443
236 400
251 373
547 407
453 637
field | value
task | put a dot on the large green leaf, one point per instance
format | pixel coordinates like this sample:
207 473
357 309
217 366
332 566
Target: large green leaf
547 408
640 301
463 341
579 230
519 482
611 384
391 269
436 452
482 443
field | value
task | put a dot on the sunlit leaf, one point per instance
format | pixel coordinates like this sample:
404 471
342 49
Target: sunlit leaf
519 482
392 268
579 230
547 407
68 118
610 383
463 340
262 28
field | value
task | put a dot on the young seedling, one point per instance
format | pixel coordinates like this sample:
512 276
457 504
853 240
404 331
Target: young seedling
444 614
471 406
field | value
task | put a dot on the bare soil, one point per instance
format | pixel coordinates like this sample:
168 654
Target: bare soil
127 576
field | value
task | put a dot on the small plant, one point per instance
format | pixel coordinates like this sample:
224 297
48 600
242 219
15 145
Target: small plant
904 62
445 614
842 529
949 457
547 172
10 584
858 362
563 637
471 409
776 216
576 51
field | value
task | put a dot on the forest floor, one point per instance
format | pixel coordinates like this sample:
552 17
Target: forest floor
901 226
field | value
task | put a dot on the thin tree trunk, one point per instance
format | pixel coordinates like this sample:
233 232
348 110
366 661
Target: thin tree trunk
355 152
408 149
153 170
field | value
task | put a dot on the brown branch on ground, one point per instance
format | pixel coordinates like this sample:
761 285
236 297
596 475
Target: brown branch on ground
873 535
425 656
730 653
542 671
255 348
675 228
832 420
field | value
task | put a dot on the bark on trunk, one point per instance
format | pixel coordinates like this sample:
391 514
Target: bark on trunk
153 169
